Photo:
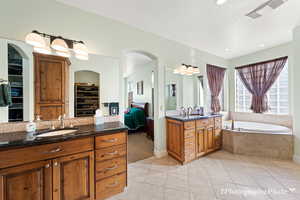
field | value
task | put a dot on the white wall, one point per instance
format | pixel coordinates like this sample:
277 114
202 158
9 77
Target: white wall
105 37
295 89
86 76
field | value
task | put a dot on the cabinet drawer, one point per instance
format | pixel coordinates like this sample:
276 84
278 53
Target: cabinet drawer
110 140
189 133
110 186
110 167
111 152
189 142
211 122
202 123
43 152
189 125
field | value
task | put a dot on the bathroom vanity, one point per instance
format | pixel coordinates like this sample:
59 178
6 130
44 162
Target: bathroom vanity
86 165
191 137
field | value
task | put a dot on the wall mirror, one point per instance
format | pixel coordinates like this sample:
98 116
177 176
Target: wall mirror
184 91
51 85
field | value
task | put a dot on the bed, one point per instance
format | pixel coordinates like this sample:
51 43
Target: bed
135 117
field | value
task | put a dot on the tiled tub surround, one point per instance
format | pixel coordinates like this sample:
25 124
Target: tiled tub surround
78 121
278 146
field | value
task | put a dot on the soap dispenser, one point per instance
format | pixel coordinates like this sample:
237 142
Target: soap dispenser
30 127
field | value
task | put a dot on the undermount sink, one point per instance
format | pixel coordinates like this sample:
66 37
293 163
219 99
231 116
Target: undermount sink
56 133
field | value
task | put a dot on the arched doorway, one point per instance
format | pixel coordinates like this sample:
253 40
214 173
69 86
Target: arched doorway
140 79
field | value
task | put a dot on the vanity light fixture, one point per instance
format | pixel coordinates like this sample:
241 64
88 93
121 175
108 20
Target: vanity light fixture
35 40
43 50
187 70
61 46
220 2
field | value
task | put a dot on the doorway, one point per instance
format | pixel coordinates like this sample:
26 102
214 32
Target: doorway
140 72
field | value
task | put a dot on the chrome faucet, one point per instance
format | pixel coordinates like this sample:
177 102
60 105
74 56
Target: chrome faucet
189 111
183 111
62 118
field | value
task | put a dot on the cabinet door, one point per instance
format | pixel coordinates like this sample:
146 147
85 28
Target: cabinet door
27 182
209 139
175 139
73 177
218 138
50 112
200 142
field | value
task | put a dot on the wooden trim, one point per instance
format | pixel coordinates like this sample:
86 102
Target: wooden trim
260 63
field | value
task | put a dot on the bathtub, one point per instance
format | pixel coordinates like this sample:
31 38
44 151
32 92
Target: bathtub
258 139
255 127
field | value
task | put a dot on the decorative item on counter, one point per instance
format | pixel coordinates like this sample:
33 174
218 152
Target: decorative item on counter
232 124
30 127
99 118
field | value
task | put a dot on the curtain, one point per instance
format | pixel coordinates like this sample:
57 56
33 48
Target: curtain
258 78
215 76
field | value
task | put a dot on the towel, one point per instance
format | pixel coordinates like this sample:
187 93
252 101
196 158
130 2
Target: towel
5 96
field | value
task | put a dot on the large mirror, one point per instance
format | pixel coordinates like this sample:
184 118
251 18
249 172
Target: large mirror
38 85
184 91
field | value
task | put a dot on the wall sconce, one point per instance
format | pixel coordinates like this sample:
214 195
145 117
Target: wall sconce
188 70
60 45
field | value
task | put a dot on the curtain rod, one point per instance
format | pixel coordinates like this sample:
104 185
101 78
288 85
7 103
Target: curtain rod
216 66
260 63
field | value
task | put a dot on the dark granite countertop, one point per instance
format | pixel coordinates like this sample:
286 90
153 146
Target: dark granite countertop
191 117
23 139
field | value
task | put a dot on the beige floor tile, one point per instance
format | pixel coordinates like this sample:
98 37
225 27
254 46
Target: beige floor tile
219 176
173 194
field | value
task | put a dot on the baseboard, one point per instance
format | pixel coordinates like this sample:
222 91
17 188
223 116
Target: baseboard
296 159
160 154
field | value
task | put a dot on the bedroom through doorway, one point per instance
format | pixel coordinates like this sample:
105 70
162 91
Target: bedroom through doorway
139 76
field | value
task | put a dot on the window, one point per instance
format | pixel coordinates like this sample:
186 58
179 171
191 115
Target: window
278 95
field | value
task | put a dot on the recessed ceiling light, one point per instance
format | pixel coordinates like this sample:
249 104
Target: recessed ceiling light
220 2
227 49
262 45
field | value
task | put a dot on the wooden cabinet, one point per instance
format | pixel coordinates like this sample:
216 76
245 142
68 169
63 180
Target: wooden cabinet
111 165
70 170
200 142
189 140
73 177
27 182
51 86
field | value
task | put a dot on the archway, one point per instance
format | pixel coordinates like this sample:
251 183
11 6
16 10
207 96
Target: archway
150 63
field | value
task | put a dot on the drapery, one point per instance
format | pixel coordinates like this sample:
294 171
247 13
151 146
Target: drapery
215 76
258 78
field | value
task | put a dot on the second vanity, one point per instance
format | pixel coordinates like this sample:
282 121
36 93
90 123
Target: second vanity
191 137
87 165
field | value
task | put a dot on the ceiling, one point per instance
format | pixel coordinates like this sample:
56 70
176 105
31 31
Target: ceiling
134 60
221 30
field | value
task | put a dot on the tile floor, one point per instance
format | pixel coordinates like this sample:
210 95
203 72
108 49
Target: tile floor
218 176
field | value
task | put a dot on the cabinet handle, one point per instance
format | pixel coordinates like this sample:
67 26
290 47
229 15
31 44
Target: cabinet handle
112 153
111 140
112 168
58 149
116 183
47 166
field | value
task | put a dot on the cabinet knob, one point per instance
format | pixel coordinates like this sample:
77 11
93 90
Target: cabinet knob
47 166
56 164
